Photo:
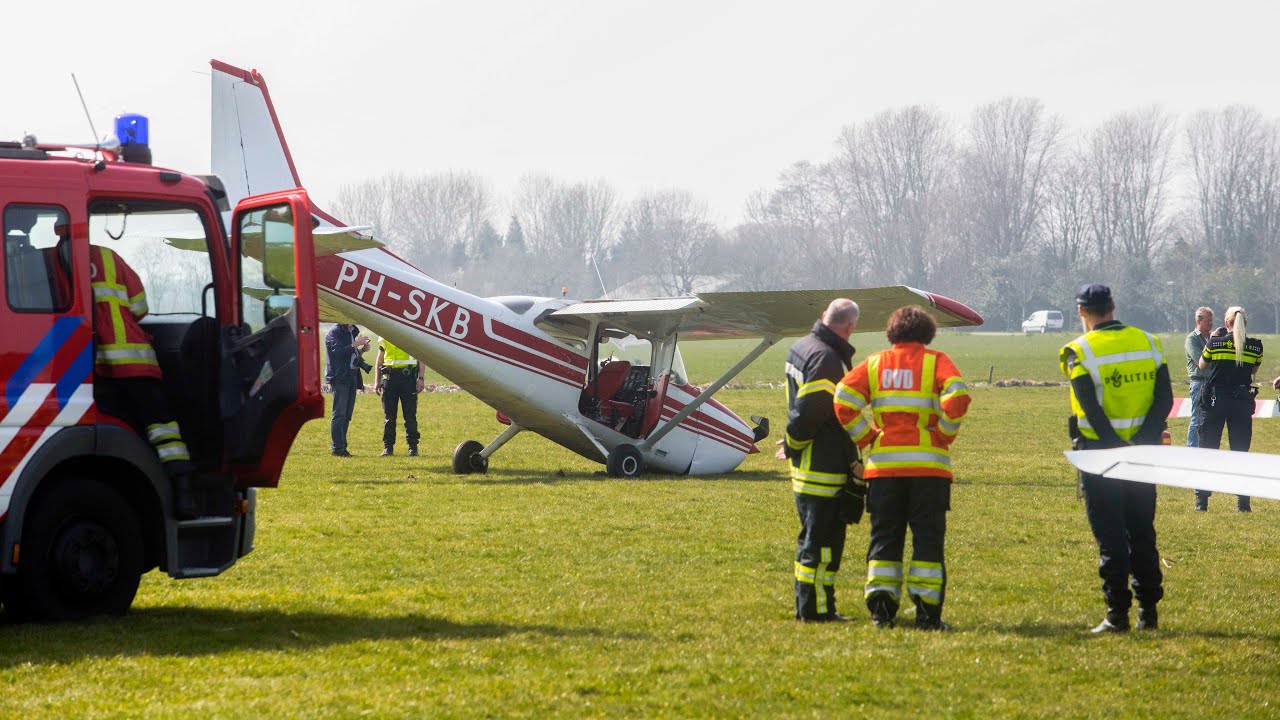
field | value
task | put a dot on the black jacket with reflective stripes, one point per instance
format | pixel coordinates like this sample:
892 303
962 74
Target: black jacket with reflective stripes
820 451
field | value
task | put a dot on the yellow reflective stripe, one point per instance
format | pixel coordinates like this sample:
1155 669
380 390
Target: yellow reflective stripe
925 580
850 397
815 386
947 427
105 292
795 444
857 428
804 574
804 488
172 451
163 431
138 304
820 578
884 576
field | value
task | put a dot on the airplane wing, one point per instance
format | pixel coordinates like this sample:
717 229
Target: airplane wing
755 314
327 240
1224 471
1261 408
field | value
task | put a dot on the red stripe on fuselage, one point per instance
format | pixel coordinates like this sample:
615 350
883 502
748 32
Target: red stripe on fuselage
447 320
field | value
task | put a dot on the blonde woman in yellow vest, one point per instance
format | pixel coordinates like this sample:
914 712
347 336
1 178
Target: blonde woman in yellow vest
399 380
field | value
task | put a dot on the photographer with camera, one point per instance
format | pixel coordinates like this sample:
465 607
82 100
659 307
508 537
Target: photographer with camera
344 373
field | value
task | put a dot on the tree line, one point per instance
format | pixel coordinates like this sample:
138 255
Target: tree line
1008 212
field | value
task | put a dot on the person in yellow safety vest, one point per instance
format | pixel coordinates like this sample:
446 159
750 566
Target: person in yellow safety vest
916 399
1120 395
127 378
822 459
399 380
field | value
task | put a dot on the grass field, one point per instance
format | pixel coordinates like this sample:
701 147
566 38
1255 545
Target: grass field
392 588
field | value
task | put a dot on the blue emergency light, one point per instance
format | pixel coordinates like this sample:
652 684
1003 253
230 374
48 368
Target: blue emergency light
134 133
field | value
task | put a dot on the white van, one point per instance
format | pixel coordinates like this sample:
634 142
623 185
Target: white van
1042 321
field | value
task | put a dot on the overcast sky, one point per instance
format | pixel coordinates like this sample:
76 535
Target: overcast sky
716 97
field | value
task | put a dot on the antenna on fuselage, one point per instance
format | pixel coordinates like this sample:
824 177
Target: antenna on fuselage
603 289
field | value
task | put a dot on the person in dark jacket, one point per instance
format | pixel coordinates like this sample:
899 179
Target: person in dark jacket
822 459
344 346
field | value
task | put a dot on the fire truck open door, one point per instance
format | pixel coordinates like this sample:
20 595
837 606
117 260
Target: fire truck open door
271 384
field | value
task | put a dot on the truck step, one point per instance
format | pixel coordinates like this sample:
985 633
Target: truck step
205 522
195 572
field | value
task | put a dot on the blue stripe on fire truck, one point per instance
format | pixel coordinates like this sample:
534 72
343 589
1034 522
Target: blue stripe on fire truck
40 357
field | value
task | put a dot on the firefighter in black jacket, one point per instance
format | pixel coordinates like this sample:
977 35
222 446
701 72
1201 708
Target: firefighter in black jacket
822 457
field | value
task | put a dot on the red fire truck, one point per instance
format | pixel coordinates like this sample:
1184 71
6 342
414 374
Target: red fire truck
85 507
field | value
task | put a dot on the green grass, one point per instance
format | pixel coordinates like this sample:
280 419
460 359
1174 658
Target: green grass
392 588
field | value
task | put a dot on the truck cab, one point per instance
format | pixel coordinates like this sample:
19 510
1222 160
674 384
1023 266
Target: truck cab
85 506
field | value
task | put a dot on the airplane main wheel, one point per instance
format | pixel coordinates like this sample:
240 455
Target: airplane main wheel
467 460
625 461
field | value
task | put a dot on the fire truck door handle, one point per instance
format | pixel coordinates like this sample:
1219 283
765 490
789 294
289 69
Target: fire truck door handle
204 305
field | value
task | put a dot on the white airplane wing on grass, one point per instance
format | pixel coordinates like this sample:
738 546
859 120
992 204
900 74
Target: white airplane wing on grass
778 313
1225 471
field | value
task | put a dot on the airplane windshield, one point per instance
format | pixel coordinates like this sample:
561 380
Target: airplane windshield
640 352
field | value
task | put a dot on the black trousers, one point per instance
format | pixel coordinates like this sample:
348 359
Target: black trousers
1236 414
896 504
400 389
1122 515
818 550
140 401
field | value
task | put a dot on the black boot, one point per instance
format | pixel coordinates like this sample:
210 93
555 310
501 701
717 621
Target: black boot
184 497
1242 503
929 617
387 452
883 608
413 451
1148 618
1116 621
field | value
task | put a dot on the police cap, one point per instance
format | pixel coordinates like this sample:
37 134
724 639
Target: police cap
1094 295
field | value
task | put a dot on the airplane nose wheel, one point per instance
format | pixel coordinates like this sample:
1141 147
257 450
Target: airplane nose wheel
625 461
467 459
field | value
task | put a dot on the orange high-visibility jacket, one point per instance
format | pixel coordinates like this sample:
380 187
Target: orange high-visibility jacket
917 399
121 347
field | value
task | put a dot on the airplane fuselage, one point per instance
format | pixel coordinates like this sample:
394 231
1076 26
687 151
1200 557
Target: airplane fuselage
497 354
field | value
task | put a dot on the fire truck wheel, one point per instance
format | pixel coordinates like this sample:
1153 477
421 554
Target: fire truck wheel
81 552
625 461
467 460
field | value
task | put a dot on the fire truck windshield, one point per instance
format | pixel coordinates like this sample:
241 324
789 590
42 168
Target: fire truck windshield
157 240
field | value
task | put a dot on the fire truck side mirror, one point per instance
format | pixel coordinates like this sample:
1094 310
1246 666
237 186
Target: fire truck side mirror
276 306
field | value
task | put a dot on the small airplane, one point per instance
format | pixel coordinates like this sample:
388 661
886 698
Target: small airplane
602 378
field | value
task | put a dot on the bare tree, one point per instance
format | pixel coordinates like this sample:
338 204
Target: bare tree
1004 167
1235 158
893 167
1130 175
1066 216
676 236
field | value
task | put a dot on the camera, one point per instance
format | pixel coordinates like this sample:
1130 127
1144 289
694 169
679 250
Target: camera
364 366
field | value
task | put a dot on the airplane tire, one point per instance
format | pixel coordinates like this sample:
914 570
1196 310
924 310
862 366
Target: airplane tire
625 461
467 460
82 555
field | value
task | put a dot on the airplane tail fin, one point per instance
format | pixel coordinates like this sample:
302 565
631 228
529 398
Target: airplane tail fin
248 151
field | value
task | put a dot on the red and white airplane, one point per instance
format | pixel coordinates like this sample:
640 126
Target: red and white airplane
542 363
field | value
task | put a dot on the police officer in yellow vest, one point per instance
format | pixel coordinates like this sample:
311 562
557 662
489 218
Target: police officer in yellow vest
399 380
1120 395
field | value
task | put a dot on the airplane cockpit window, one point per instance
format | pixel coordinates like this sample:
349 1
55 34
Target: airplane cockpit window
37 263
166 245
678 374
